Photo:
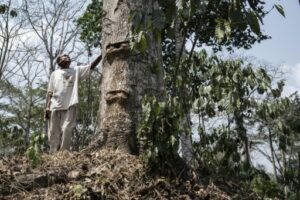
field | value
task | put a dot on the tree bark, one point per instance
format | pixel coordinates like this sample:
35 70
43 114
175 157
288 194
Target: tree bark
272 154
242 133
186 148
127 75
285 181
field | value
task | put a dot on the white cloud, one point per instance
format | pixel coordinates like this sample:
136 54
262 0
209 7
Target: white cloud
292 79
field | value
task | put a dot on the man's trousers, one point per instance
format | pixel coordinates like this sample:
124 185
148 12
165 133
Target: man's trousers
61 125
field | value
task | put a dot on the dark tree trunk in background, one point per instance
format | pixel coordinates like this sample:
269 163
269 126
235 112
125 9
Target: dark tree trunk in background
127 76
242 133
185 137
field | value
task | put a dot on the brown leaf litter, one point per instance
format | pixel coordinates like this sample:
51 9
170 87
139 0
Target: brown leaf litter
104 174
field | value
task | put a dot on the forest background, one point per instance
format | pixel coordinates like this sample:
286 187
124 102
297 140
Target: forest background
242 103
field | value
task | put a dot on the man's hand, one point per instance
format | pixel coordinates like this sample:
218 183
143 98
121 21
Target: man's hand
47 114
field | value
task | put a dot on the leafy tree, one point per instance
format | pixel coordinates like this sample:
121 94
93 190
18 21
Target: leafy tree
215 23
23 108
143 42
90 25
11 137
278 118
221 23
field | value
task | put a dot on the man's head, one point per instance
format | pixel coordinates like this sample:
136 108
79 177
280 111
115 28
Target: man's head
63 61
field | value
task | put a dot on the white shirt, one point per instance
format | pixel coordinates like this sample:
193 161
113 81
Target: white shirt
64 85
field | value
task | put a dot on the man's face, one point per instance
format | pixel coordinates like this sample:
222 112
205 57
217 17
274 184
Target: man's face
65 61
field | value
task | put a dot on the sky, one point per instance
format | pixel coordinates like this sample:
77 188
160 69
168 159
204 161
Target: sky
283 49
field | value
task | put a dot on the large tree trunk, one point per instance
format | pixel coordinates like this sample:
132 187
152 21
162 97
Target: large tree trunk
127 74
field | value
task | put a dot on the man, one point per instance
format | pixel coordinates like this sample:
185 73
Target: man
62 100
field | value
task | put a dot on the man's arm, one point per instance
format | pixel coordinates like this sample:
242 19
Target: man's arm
96 62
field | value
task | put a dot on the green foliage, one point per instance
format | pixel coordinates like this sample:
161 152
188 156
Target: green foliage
280 124
11 138
222 87
210 86
142 23
159 132
3 8
253 22
6 9
280 9
90 24
223 29
266 188
141 43
34 151
218 151
23 107
78 190
218 19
